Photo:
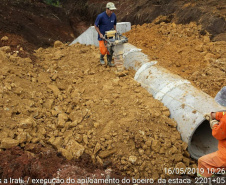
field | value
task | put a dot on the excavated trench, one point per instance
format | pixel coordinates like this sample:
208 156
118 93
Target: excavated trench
68 101
63 115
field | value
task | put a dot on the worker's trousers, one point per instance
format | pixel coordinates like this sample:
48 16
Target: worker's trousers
103 49
210 164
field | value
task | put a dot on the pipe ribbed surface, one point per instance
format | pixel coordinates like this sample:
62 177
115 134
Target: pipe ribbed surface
186 103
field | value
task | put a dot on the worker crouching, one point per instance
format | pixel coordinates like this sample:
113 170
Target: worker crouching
215 162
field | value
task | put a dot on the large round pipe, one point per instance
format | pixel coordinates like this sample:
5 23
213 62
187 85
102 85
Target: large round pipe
186 103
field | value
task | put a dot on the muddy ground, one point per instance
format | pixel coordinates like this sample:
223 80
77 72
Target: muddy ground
65 116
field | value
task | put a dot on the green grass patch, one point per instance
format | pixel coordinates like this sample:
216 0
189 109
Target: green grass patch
53 2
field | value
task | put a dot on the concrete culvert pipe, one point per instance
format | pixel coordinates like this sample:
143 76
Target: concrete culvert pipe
186 103
201 141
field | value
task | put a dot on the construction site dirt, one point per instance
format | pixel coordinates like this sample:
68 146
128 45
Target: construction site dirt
65 116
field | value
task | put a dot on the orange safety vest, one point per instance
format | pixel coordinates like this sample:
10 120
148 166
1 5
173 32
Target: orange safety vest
219 132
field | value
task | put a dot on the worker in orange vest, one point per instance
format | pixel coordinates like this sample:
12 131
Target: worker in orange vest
215 162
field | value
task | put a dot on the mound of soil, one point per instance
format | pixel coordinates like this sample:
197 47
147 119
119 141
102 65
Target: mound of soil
184 50
66 99
61 111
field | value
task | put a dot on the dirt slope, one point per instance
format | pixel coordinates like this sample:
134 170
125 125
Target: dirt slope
184 50
66 99
32 23
58 104
210 14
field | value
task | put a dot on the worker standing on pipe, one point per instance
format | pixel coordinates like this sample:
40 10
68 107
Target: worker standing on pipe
105 21
216 161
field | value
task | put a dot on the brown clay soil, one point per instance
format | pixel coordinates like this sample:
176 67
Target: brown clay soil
65 116
184 50
67 100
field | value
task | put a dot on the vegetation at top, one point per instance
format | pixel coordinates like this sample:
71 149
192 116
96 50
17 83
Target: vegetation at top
53 2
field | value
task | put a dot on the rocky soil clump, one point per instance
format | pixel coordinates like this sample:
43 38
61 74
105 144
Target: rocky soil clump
67 100
185 50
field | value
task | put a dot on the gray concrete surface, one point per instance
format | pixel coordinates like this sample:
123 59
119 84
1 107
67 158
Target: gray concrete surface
90 36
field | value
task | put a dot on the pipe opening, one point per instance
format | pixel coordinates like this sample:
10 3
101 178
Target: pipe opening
201 141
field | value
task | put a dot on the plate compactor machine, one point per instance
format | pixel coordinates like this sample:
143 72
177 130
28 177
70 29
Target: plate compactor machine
114 44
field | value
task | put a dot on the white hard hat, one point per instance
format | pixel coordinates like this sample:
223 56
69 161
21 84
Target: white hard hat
111 6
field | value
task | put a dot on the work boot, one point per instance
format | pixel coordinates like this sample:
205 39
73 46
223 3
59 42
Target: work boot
109 59
102 59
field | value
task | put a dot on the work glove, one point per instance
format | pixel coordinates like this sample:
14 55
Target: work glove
208 117
213 122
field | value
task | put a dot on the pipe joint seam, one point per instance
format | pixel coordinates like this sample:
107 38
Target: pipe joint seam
144 67
130 51
168 88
